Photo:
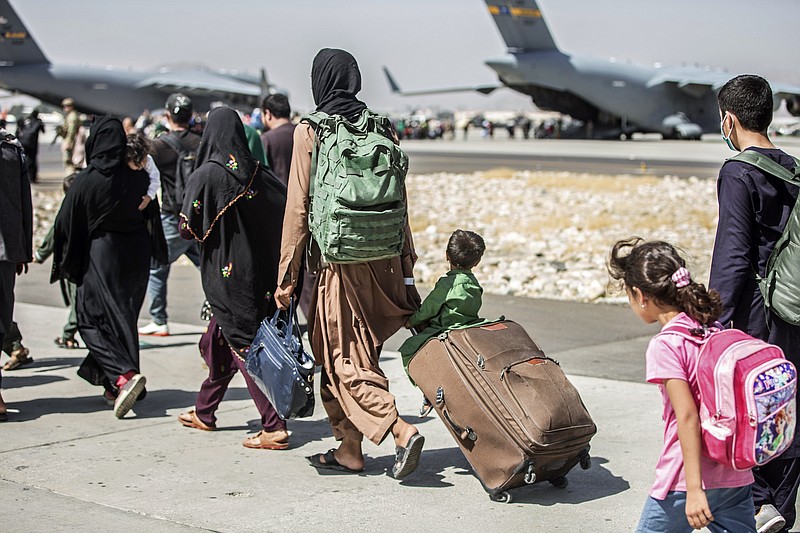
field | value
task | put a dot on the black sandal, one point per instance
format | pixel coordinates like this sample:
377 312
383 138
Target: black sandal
330 462
67 343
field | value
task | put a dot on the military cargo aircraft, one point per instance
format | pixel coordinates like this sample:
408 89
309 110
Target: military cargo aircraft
610 98
24 68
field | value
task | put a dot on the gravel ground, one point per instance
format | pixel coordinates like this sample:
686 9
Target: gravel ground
547 234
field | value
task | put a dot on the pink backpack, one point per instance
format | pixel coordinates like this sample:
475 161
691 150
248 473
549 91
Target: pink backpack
747 396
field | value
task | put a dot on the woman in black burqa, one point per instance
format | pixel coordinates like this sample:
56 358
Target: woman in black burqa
104 243
234 208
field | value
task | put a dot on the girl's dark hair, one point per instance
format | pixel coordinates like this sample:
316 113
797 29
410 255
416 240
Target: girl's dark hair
465 248
137 148
649 266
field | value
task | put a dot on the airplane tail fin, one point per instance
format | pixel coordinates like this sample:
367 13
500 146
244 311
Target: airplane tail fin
392 82
17 46
521 24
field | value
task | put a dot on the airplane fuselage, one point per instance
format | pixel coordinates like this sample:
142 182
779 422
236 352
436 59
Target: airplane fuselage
110 91
591 89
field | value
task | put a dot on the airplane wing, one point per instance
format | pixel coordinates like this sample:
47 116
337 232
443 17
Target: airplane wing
484 89
693 84
781 90
697 84
200 83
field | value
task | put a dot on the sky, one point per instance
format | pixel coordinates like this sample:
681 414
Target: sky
425 43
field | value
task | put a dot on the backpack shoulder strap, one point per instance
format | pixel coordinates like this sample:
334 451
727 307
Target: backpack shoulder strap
767 165
315 118
173 142
693 335
682 332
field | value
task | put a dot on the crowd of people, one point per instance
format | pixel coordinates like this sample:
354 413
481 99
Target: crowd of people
239 206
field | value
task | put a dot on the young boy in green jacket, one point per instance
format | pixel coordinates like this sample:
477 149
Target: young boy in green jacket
454 301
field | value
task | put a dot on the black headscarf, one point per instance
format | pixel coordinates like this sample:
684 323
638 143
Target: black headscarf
224 172
105 147
234 207
335 81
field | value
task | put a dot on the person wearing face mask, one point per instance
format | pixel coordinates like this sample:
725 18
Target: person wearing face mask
754 208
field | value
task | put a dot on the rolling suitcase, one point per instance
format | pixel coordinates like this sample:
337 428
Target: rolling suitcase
512 411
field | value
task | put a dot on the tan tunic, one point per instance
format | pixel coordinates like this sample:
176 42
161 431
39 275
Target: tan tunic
358 307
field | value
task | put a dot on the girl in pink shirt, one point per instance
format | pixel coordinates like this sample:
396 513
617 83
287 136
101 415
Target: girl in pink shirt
690 491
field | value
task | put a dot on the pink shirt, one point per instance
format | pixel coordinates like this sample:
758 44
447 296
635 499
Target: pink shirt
673 357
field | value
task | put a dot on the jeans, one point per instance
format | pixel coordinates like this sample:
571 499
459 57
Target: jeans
732 510
176 247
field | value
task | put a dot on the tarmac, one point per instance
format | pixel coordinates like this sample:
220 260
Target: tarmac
67 464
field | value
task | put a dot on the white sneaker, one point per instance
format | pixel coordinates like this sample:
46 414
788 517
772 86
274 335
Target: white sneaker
769 520
128 394
157 330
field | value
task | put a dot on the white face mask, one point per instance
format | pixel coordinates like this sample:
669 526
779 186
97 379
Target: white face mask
726 138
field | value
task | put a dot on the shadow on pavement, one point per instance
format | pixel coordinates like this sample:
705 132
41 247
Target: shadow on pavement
52 363
158 402
17 381
585 485
147 346
33 409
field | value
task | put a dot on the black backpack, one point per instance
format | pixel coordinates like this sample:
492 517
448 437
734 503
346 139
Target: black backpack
187 159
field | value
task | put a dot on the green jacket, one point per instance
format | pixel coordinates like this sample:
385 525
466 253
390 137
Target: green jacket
453 303
255 146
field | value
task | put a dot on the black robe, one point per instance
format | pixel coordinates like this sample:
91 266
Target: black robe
234 207
102 243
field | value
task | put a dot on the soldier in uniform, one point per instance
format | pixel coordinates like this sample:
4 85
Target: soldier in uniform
69 131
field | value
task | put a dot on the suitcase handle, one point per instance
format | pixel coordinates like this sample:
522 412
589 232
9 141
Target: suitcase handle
465 433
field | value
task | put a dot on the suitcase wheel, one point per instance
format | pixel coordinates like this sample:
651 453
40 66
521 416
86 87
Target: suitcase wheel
586 462
501 497
560 482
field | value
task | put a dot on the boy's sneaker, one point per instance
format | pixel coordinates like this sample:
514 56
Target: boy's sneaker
769 520
128 394
156 330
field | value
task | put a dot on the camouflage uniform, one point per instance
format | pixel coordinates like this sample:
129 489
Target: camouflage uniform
72 124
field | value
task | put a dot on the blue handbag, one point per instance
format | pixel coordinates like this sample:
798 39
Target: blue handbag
280 367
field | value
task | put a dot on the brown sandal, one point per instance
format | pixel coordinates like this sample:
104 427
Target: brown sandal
189 419
18 358
268 440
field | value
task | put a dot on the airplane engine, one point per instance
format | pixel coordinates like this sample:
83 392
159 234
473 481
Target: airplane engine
560 101
793 106
678 126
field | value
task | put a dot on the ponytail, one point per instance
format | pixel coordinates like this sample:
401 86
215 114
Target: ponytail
657 269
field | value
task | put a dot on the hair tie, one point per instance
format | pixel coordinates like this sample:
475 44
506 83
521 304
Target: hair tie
681 277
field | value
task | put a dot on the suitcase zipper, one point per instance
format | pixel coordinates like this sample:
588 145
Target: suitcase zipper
509 423
506 423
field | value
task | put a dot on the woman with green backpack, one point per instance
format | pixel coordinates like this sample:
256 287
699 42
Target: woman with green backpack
347 198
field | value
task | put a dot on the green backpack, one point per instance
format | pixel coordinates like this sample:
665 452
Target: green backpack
780 285
358 204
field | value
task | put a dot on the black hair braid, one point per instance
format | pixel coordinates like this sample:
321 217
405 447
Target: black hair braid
649 266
